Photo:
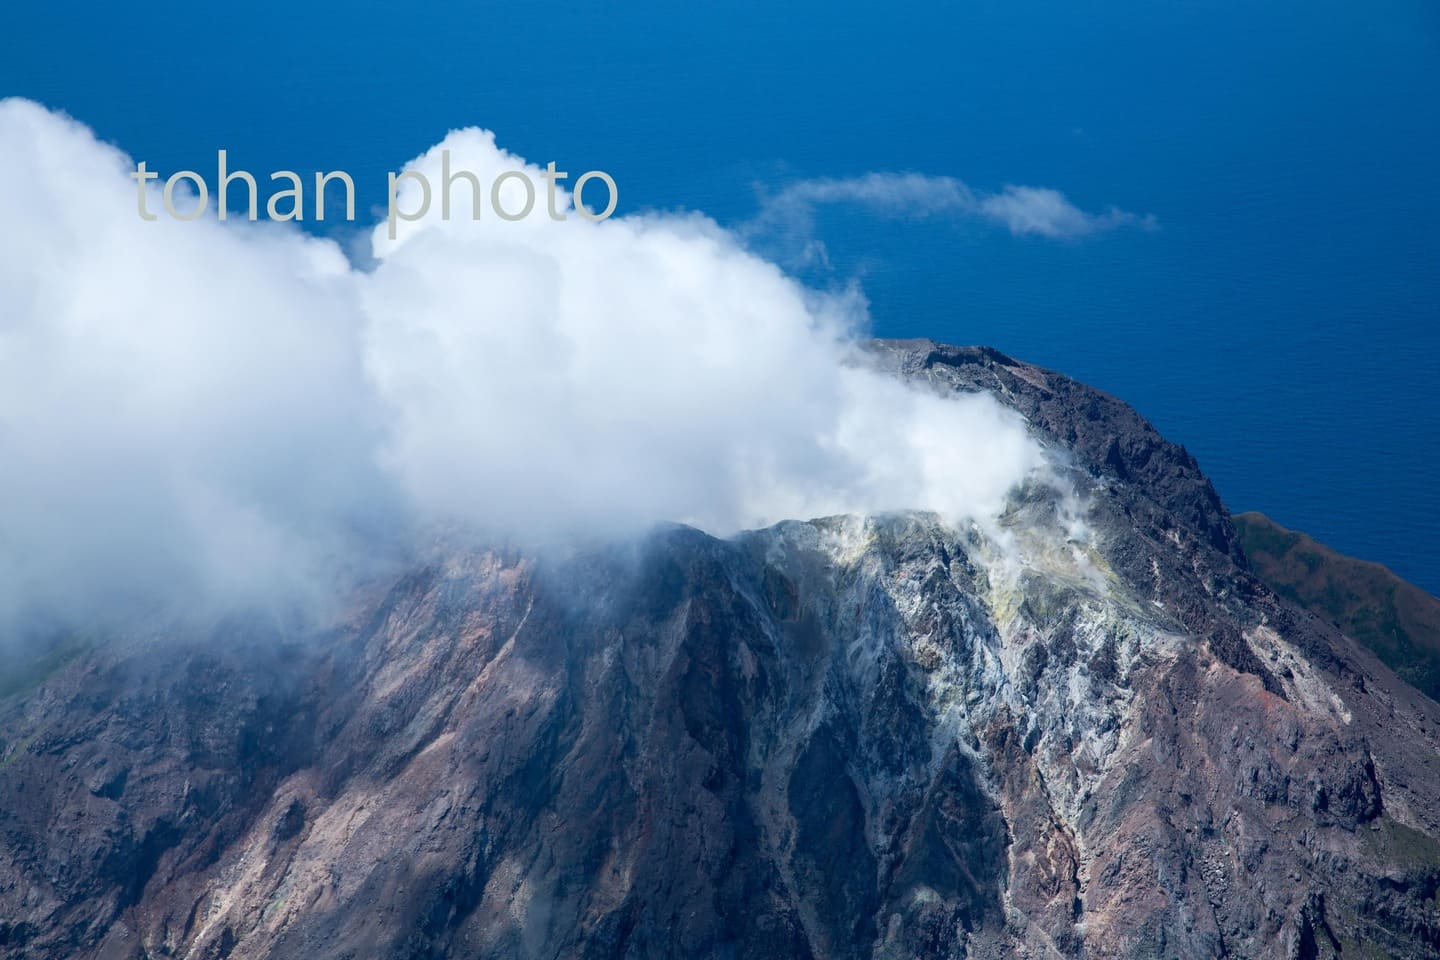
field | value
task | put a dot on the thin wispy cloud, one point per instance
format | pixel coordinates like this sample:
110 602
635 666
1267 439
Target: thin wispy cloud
786 221
1042 212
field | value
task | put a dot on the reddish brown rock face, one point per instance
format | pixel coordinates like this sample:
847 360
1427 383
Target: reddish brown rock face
842 738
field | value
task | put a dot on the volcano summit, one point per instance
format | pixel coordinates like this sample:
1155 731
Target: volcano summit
1087 732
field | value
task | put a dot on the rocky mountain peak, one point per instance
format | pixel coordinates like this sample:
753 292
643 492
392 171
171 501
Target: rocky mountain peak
1086 730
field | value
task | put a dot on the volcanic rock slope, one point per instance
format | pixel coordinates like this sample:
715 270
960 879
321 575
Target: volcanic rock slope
1087 732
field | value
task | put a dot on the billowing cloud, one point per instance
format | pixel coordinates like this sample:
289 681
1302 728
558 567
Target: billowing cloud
203 413
787 217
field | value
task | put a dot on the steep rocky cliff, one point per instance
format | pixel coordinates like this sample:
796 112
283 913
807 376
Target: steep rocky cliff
1088 731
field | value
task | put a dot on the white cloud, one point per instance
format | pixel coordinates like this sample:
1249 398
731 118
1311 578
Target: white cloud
184 408
786 221
1043 212
205 413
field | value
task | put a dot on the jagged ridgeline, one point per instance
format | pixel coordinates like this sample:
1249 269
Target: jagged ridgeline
841 738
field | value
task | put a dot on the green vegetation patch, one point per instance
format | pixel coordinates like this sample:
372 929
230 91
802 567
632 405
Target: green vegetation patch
1395 619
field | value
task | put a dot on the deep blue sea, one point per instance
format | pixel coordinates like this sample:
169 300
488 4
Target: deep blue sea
1283 322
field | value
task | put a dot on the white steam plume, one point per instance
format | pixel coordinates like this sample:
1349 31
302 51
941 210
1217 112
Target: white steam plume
207 413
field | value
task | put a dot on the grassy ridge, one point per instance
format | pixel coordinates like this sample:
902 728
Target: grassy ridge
21 672
1396 619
